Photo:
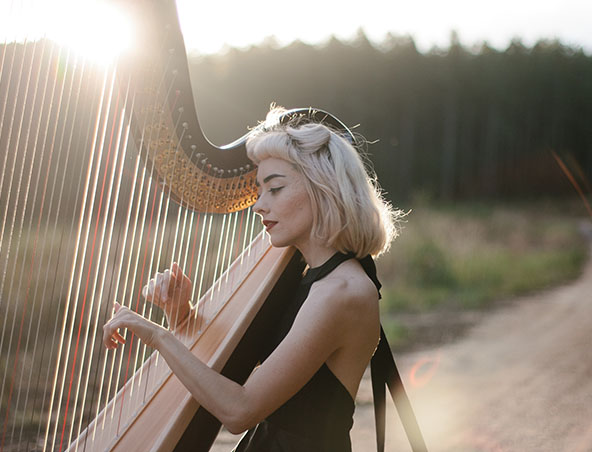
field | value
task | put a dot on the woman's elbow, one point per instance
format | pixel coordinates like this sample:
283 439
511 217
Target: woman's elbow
235 429
240 421
236 426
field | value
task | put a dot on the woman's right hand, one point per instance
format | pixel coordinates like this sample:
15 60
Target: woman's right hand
171 291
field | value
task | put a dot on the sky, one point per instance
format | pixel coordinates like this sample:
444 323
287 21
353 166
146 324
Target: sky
429 22
209 26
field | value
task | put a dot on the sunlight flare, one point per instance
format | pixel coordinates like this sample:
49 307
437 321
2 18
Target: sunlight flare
95 29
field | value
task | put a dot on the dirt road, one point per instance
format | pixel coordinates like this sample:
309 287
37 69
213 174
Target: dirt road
519 379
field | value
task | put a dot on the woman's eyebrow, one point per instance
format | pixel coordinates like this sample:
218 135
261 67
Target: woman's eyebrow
272 176
268 178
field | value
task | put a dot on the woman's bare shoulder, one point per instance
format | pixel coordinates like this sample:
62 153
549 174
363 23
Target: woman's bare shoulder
347 287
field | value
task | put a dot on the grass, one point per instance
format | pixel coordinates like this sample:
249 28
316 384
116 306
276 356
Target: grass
451 258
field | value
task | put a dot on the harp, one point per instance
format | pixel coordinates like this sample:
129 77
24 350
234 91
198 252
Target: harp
105 178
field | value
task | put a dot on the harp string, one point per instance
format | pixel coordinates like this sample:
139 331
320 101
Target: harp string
152 257
35 239
142 272
15 210
117 364
89 198
24 144
81 274
206 307
126 279
137 249
178 256
37 234
58 287
120 264
16 202
152 266
109 241
106 228
126 228
201 259
76 269
148 189
90 295
110 234
8 79
175 256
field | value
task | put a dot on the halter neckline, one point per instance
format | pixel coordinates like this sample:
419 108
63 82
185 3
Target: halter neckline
315 273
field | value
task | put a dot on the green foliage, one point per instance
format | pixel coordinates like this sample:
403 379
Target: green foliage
396 333
468 257
429 265
508 274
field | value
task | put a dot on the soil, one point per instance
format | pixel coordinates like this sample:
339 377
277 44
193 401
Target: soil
518 378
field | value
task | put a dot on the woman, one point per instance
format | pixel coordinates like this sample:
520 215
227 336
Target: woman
314 194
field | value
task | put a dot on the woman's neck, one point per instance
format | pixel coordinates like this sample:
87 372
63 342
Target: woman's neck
315 254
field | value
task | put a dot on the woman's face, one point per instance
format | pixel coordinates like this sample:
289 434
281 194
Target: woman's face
283 203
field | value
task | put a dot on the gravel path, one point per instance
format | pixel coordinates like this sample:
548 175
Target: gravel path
519 379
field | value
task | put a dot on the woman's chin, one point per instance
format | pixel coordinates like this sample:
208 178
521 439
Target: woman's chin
277 242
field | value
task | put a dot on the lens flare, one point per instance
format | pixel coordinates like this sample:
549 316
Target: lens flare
424 370
570 176
95 29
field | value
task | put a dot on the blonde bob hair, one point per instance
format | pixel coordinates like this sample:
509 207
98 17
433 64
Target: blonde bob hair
349 212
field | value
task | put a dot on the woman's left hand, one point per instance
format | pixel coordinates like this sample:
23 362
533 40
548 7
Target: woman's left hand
146 330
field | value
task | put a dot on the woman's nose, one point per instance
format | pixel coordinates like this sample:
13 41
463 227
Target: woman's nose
259 206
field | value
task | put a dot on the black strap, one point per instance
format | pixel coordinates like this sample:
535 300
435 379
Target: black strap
316 273
383 368
384 371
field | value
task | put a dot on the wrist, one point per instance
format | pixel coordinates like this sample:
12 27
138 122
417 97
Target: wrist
161 336
176 314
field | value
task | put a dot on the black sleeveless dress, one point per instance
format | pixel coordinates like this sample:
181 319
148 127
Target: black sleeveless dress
319 417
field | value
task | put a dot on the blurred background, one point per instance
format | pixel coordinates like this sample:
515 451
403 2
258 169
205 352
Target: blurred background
479 119
479 122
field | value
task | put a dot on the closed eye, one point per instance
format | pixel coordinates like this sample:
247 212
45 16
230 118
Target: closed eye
275 189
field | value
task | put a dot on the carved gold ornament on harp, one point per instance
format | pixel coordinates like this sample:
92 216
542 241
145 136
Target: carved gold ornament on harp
192 184
195 173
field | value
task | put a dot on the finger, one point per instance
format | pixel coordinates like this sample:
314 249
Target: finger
161 285
172 285
165 282
116 306
148 290
180 277
110 342
177 272
111 336
118 337
107 341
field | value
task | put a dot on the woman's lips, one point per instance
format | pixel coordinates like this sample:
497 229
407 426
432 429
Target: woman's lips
269 224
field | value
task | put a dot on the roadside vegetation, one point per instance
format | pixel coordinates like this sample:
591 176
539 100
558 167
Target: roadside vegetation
474 256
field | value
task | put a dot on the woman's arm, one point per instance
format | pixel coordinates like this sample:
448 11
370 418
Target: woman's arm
318 331
206 385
